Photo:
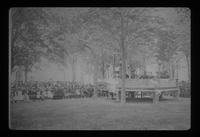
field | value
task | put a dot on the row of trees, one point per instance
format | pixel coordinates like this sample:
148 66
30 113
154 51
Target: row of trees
62 34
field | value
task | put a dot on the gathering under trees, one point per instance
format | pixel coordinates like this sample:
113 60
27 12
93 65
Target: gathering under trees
120 40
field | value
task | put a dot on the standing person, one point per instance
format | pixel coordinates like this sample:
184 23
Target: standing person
42 95
46 91
20 95
50 95
24 91
38 92
26 97
13 93
42 92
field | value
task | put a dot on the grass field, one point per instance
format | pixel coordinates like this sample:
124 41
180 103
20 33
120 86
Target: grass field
100 114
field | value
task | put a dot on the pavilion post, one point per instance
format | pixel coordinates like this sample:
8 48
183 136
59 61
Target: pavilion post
178 90
155 97
177 94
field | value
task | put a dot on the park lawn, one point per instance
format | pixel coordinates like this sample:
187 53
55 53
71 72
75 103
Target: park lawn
100 114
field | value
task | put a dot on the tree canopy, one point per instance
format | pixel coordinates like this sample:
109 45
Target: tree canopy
63 34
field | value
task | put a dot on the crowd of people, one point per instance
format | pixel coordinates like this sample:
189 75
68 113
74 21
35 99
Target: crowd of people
35 90
40 90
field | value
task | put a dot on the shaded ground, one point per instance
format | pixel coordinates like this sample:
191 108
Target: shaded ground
100 114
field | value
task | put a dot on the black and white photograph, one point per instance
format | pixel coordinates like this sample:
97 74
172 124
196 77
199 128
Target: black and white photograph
99 68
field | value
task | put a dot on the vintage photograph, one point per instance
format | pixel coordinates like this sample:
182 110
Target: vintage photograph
102 68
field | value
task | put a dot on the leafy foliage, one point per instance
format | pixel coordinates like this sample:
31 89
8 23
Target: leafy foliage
59 34
167 45
25 39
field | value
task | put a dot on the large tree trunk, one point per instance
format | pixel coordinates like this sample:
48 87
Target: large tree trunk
159 70
26 74
169 70
103 69
144 66
123 54
95 80
103 64
188 66
10 37
64 75
114 75
95 85
173 71
74 68
123 94
73 73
